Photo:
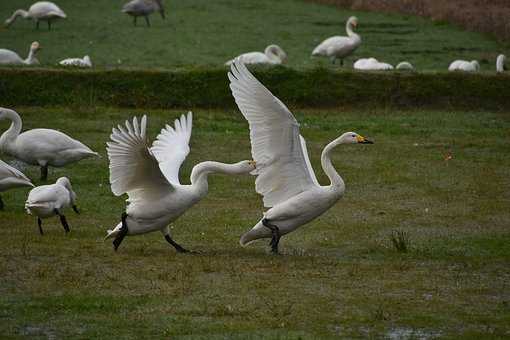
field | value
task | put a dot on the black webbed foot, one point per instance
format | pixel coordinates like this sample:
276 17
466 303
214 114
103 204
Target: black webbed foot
122 233
275 231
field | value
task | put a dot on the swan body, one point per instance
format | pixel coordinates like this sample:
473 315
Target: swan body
500 63
285 176
39 11
49 200
463 65
366 64
11 178
150 177
8 57
273 54
143 8
339 47
42 147
78 62
405 66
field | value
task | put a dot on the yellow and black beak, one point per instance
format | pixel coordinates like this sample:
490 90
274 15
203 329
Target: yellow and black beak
363 140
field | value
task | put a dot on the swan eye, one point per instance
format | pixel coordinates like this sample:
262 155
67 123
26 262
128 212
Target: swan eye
353 136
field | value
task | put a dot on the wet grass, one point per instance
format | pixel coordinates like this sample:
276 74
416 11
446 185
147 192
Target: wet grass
439 176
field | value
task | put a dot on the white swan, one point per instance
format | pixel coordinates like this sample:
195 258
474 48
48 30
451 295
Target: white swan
339 47
500 63
143 8
285 176
366 64
405 66
273 54
11 178
150 177
39 11
49 200
8 57
42 147
78 62
463 65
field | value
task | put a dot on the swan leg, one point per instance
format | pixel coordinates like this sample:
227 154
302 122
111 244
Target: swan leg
62 220
147 21
39 224
1 203
122 233
37 24
341 62
333 60
49 25
75 208
134 20
275 240
44 172
177 246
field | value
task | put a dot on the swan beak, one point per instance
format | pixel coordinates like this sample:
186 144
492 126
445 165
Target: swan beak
363 140
253 163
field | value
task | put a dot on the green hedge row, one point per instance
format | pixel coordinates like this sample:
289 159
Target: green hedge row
208 88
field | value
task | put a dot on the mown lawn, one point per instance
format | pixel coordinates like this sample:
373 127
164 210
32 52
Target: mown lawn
203 32
439 176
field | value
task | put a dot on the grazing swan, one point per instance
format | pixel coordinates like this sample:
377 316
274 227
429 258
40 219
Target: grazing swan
500 63
43 147
78 62
8 57
366 64
40 11
150 177
143 8
11 178
273 54
285 175
463 65
405 66
339 47
50 200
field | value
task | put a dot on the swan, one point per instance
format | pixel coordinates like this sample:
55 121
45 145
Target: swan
405 66
273 54
150 177
285 176
339 47
143 8
371 64
11 178
43 147
39 11
8 57
463 65
500 63
78 62
49 200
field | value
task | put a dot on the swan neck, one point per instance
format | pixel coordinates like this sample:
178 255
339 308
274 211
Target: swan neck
14 130
336 181
31 57
202 170
16 14
500 64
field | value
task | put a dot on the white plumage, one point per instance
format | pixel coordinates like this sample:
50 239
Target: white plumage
284 174
8 57
405 66
367 64
500 63
273 54
78 62
143 8
11 178
39 11
463 65
150 177
42 147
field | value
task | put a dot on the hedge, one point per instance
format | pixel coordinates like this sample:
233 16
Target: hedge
208 88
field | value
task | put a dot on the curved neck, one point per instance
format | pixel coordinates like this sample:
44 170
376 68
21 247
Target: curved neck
31 57
18 13
202 170
348 28
14 130
500 64
272 54
327 166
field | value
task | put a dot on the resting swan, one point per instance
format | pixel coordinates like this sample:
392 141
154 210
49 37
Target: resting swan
273 54
8 57
49 200
40 11
150 177
285 176
78 62
339 47
405 66
367 64
143 8
11 178
500 63
43 147
463 65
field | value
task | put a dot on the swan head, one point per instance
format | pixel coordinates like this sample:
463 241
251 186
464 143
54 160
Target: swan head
6 113
276 51
245 167
35 46
354 138
66 183
475 64
352 22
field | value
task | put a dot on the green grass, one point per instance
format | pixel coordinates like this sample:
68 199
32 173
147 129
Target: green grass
339 276
203 32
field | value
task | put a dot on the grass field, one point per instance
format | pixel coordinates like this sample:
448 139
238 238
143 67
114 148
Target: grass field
202 32
441 177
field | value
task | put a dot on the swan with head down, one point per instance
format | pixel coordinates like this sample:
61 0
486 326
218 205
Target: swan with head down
39 11
273 54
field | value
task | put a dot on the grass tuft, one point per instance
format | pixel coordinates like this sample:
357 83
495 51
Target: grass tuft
400 240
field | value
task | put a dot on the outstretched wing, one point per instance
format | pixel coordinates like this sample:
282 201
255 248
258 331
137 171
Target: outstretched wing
172 146
274 132
133 168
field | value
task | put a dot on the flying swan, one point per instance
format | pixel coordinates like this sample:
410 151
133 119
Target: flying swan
285 176
150 177
39 11
11 178
8 57
42 147
339 47
273 54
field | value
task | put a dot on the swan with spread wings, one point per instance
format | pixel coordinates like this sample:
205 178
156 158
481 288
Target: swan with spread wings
285 176
150 177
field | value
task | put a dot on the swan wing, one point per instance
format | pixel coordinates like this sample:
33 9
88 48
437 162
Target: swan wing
133 168
275 144
172 146
7 171
307 160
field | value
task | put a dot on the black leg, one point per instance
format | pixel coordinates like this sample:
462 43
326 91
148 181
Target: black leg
176 245
39 223
37 24
44 172
122 233
341 62
49 25
63 221
134 21
147 21
75 208
275 240
333 60
1 203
